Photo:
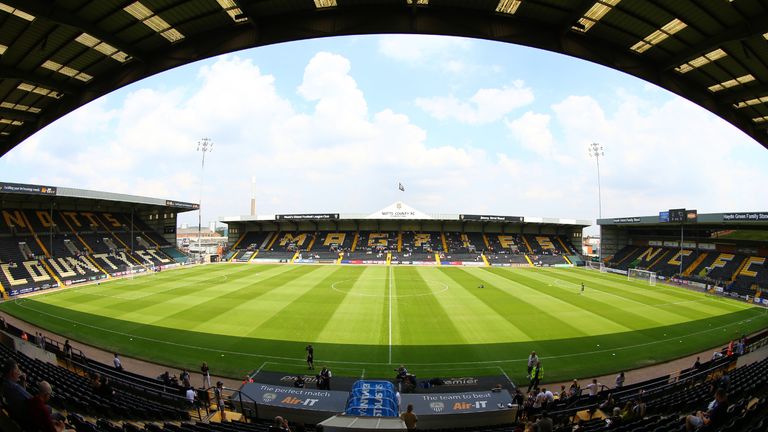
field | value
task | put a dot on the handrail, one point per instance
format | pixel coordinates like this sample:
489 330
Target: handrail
644 391
243 410
116 377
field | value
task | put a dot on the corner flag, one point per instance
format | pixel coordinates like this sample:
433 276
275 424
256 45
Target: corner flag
401 187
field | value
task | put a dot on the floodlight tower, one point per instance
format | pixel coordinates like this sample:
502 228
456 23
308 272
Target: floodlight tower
205 145
596 151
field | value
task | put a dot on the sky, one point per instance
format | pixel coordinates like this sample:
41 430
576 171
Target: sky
334 124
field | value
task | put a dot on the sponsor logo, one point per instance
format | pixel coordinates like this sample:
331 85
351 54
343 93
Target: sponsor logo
290 400
437 406
462 406
268 397
460 381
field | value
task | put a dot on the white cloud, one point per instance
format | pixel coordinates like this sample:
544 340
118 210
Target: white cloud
532 132
485 106
422 48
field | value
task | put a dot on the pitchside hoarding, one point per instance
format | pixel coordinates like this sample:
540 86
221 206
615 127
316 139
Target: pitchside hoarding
296 398
457 403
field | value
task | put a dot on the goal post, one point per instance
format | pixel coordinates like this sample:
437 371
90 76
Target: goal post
640 274
596 266
133 270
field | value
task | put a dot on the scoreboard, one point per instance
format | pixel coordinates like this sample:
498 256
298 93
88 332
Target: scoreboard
680 216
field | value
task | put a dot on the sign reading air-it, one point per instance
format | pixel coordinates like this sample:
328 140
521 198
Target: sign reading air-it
457 403
490 218
310 216
20 188
290 397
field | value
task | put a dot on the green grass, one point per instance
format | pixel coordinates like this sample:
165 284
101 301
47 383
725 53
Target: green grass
243 317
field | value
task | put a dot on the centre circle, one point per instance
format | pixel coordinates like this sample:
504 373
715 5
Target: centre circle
426 287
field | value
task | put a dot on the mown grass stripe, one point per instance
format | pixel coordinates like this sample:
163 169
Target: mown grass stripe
422 319
621 317
667 301
226 297
536 322
306 315
563 306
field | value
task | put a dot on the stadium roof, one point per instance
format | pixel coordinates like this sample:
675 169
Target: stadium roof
756 219
401 212
56 56
23 195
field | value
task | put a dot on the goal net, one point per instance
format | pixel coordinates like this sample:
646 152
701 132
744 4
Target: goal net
133 270
596 266
645 275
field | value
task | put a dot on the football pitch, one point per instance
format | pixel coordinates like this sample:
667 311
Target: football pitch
366 320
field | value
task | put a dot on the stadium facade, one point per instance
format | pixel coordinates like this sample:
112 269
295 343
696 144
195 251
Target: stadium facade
401 234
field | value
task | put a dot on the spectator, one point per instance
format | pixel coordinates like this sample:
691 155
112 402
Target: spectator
96 383
697 364
639 408
106 390
280 425
409 418
628 412
518 399
528 406
549 396
39 413
615 420
118 364
544 424
24 336
536 375
532 360
620 380
608 403
191 396
594 388
310 356
574 390
184 376
563 395
15 395
218 396
299 382
67 351
324 379
206 375
740 347
539 402
713 418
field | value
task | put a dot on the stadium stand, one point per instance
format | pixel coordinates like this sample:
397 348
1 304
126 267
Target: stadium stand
405 247
45 249
128 402
739 273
